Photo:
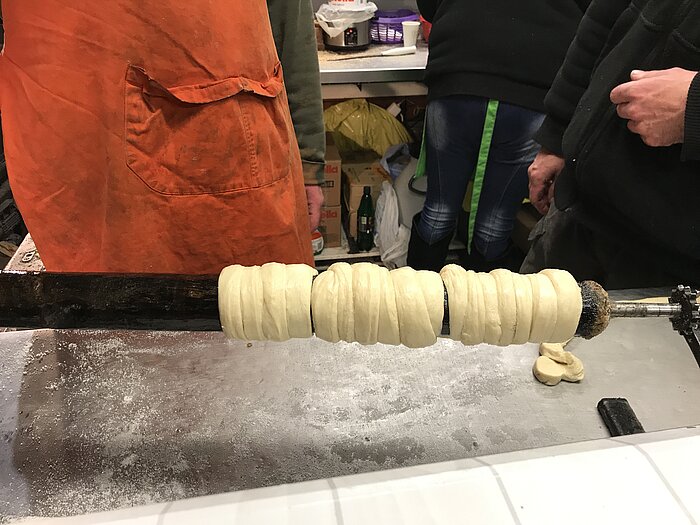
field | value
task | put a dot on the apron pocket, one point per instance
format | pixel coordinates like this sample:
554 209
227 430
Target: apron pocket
215 137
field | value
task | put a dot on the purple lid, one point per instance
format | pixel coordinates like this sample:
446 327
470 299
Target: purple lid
393 17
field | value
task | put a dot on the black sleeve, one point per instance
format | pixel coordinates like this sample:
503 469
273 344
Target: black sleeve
574 76
583 4
295 39
691 140
428 8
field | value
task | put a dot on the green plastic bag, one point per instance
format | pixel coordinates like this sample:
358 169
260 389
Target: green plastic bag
358 125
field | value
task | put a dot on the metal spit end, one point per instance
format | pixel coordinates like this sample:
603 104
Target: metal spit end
595 315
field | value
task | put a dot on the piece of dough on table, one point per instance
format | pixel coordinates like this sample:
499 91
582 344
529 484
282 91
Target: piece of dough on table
555 364
556 352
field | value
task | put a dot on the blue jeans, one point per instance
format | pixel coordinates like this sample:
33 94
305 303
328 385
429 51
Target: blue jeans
453 135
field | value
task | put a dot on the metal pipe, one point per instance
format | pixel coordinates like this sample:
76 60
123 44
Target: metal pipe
644 310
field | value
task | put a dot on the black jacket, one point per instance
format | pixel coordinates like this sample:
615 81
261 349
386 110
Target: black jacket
644 197
509 50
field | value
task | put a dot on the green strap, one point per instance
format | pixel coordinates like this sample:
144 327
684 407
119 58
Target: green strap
486 136
420 167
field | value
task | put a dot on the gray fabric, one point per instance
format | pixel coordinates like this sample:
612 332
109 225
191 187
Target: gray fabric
559 241
295 39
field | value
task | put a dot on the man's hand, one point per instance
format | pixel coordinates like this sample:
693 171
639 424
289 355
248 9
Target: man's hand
654 103
542 172
314 198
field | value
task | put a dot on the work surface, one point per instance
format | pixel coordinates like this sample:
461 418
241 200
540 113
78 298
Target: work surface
99 420
365 66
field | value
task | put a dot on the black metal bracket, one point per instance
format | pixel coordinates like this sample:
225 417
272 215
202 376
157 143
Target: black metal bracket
687 322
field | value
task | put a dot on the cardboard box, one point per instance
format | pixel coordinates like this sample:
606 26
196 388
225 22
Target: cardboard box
355 178
332 171
330 226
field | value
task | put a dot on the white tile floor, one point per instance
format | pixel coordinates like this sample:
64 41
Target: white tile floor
617 485
429 499
645 479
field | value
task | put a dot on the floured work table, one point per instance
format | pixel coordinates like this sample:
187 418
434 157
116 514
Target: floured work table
97 420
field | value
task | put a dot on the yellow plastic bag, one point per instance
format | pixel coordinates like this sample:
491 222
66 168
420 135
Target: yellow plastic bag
358 125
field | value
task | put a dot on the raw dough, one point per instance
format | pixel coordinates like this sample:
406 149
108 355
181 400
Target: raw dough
474 327
569 304
270 302
492 326
523 301
388 330
324 306
367 298
507 305
367 303
548 371
556 352
454 278
555 364
503 308
419 304
274 313
346 308
298 300
252 288
544 308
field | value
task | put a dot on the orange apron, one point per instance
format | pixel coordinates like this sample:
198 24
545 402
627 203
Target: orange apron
151 136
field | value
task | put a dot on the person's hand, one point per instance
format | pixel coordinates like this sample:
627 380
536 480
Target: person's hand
314 198
654 103
543 172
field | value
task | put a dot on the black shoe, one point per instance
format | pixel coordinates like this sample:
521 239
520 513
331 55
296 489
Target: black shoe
424 256
511 260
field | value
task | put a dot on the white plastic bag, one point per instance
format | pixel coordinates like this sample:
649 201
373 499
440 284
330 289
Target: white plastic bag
335 19
390 236
410 202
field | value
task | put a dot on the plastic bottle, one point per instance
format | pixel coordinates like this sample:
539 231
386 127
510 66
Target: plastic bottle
365 221
317 242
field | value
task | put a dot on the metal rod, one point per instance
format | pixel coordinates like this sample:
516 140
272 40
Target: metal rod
644 310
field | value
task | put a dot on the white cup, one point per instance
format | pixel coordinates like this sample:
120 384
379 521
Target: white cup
410 33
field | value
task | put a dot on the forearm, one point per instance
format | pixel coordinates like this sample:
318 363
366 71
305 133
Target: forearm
292 26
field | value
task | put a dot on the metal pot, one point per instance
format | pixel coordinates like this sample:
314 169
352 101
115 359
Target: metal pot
354 38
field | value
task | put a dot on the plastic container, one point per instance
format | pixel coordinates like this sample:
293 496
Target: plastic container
387 28
317 242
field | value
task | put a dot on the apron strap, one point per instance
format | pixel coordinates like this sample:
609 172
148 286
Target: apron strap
484 149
